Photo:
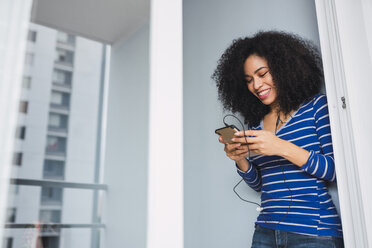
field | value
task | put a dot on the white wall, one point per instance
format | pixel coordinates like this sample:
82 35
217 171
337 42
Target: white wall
214 216
126 154
82 123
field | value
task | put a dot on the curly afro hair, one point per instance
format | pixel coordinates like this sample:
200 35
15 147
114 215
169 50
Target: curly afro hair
295 66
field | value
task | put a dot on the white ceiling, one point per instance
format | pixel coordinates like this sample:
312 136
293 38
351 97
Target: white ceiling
106 21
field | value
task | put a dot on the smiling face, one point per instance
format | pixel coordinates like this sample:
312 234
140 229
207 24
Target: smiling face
259 80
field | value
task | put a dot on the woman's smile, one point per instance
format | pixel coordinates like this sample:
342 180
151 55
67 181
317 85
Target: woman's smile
262 94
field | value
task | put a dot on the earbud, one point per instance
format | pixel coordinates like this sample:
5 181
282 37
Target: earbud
259 209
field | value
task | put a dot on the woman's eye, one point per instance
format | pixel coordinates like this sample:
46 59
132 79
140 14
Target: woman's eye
262 75
249 81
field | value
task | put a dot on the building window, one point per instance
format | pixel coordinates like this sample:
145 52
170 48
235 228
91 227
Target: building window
60 99
54 169
65 38
31 35
57 121
17 158
56 145
62 77
21 132
23 107
13 189
8 243
50 216
50 242
26 82
64 56
11 215
29 58
51 196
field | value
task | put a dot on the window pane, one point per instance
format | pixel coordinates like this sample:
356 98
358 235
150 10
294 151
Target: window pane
57 122
56 145
21 132
61 143
64 56
26 83
60 99
51 196
8 243
11 215
62 37
62 77
50 242
23 107
50 216
53 169
17 158
65 38
31 35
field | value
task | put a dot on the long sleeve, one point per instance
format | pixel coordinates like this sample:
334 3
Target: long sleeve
321 165
252 177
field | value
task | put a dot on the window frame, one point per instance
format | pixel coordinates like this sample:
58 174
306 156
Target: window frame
336 62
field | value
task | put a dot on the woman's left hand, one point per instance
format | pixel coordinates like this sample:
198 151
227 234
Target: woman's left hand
260 141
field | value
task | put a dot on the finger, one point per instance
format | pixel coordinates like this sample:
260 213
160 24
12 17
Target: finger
254 147
243 147
248 133
245 140
221 140
238 152
243 155
231 147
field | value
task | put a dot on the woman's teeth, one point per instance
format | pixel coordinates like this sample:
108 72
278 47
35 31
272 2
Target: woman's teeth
261 93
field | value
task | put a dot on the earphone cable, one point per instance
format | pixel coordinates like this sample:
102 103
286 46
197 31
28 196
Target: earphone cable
250 163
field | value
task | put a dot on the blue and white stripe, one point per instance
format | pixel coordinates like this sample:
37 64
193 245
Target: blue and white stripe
311 210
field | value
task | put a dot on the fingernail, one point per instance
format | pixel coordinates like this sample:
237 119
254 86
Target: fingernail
237 133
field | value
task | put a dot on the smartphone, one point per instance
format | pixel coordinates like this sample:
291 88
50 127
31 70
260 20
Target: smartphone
227 132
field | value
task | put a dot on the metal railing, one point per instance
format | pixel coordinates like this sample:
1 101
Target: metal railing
56 184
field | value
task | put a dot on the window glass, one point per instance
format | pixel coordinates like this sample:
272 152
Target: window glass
57 121
23 106
64 56
50 242
50 216
26 82
65 38
56 145
17 158
61 144
60 99
21 132
31 35
11 215
51 196
62 77
53 169
8 243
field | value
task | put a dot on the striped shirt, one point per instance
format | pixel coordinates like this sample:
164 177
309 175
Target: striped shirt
306 208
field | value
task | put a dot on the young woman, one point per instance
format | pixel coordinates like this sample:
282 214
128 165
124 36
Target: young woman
273 80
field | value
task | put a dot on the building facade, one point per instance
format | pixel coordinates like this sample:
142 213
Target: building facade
56 138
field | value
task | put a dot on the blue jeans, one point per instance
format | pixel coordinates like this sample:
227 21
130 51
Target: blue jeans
269 238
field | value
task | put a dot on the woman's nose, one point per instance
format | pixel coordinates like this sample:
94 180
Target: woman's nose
257 83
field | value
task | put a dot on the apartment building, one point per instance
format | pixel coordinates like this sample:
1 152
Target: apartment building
56 138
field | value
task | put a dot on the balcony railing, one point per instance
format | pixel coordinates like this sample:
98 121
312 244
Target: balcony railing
46 227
